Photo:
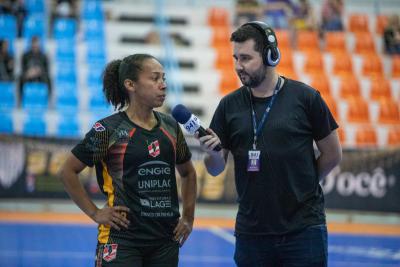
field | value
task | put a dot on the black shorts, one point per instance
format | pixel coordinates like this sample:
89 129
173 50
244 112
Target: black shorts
163 254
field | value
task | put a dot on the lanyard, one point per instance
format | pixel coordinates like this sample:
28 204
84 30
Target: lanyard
257 130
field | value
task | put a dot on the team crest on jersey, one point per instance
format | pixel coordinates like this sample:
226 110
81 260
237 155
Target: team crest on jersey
154 149
98 127
110 252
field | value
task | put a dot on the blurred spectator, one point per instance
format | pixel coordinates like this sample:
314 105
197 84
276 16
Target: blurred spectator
332 15
19 11
6 62
303 16
5 6
16 8
34 65
153 37
64 9
278 13
247 10
391 35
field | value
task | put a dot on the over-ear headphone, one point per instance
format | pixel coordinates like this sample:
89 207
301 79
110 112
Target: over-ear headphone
270 54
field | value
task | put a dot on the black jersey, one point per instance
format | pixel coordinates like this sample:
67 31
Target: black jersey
285 195
135 168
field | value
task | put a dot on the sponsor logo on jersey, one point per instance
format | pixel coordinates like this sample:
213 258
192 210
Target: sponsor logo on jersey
98 127
110 252
145 202
154 149
122 134
155 203
154 168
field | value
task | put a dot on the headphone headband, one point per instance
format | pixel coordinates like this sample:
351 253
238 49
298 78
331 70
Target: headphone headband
271 53
264 29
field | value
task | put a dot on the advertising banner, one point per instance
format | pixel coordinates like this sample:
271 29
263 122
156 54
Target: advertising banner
366 180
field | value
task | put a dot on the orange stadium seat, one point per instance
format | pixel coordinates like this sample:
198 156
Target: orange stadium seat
393 137
288 72
342 64
286 58
388 111
307 40
283 37
380 88
364 43
349 87
342 135
335 42
380 23
228 82
358 23
321 83
395 66
223 57
221 36
372 65
358 110
331 104
218 16
314 62
366 136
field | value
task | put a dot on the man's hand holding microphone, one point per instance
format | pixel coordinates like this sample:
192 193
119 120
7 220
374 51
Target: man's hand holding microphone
209 141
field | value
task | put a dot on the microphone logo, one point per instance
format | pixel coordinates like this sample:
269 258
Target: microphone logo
192 125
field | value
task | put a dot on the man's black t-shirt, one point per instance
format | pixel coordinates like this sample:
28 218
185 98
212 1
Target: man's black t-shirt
285 195
135 168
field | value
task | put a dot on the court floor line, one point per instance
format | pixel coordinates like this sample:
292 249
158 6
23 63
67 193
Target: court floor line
32 254
227 236
337 263
200 222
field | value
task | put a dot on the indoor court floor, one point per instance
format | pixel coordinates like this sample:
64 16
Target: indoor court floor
66 240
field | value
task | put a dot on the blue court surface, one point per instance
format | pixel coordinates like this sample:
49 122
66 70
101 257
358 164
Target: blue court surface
67 245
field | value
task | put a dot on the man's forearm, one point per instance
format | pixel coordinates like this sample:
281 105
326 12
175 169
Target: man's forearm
326 163
215 163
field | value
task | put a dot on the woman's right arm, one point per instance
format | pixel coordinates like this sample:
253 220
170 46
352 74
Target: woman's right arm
68 175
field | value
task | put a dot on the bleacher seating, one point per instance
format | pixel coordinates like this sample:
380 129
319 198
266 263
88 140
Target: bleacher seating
335 42
308 41
366 137
68 125
66 97
64 28
35 96
34 124
92 9
8 26
35 6
6 122
360 84
7 99
321 83
35 25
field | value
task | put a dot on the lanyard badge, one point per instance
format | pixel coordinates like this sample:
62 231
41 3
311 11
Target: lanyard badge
253 164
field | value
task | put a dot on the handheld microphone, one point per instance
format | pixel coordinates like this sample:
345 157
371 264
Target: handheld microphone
190 122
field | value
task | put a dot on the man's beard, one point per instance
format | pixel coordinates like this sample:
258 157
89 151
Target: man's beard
254 80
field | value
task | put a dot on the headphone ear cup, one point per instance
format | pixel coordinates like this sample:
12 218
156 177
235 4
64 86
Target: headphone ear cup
273 56
265 56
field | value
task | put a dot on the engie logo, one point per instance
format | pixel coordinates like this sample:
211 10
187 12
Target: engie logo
98 127
154 149
154 168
